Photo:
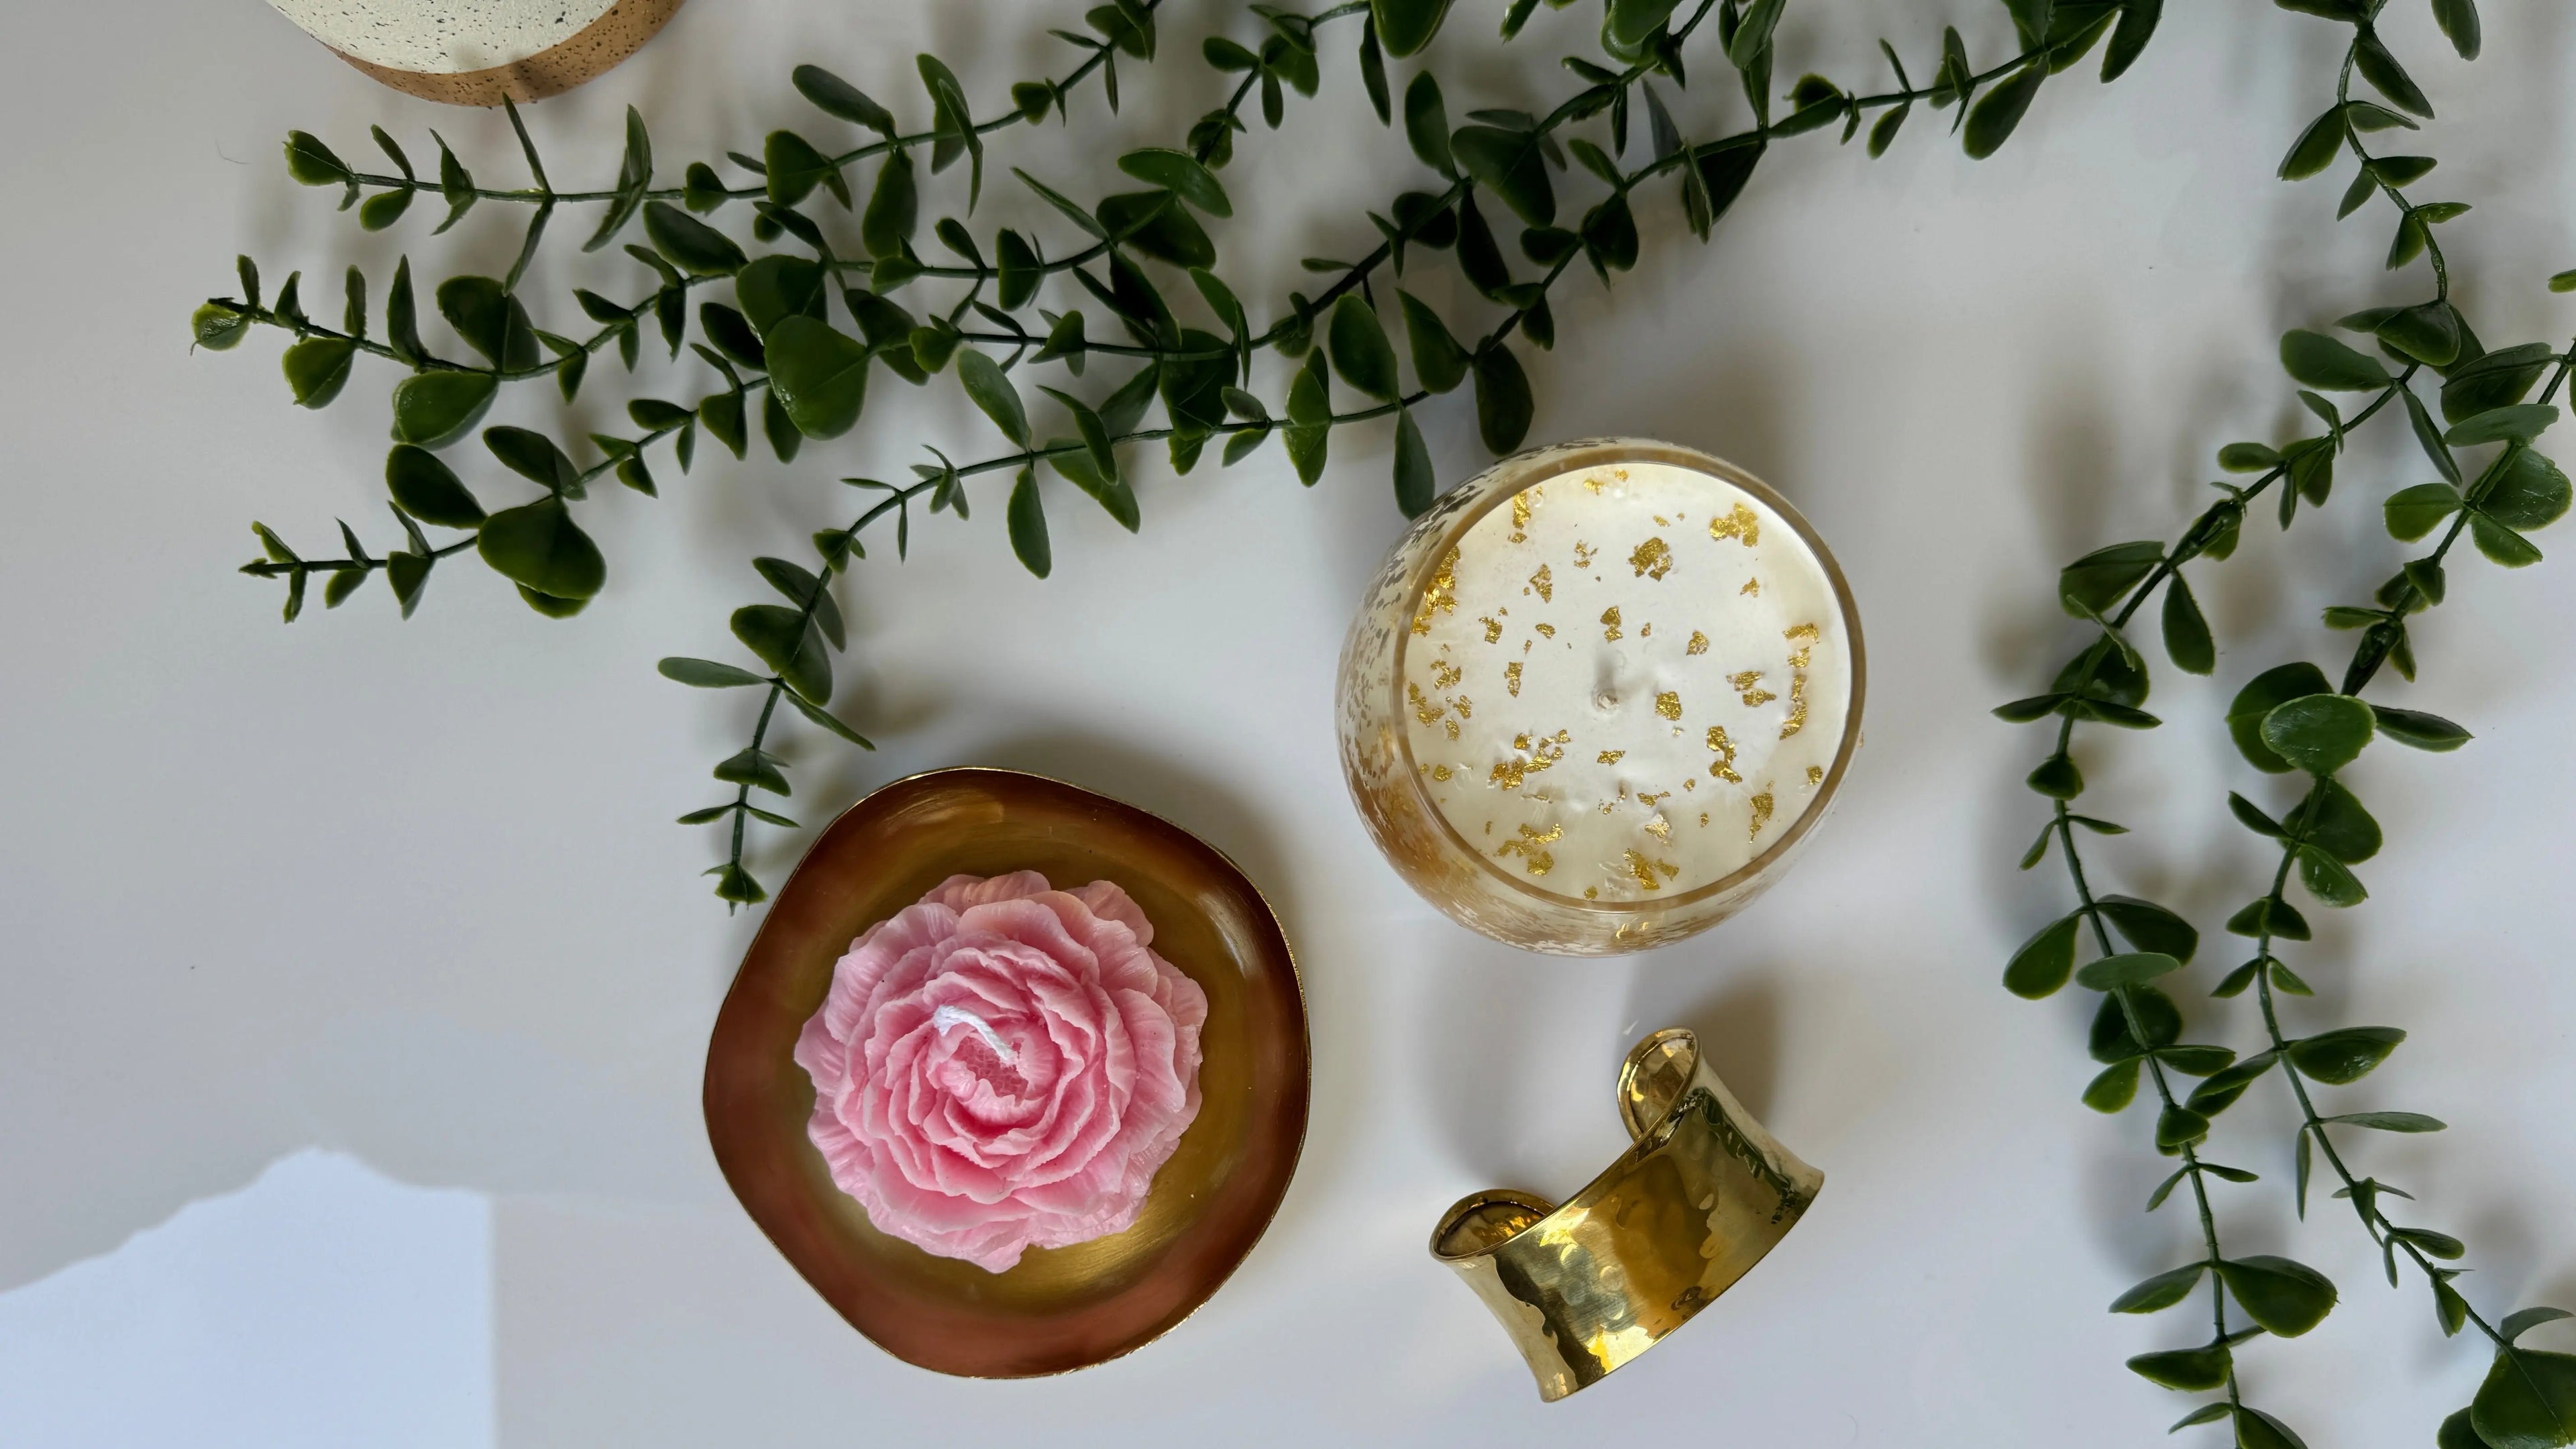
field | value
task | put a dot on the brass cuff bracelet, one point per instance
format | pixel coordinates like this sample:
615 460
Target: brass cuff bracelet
1691 1206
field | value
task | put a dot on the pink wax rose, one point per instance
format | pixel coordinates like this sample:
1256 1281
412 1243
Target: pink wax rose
1004 1066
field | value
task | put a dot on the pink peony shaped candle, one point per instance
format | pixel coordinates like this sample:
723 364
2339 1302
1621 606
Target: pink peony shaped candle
1004 1066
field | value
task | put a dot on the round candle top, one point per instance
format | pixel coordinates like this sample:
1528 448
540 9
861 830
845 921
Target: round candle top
1626 682
442 36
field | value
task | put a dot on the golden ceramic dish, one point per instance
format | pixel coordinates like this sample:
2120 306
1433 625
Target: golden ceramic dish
1060 1308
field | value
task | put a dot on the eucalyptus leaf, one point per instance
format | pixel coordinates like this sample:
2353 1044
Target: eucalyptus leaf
2161 1291
2522 1320
1180 173
1503 403
819 374
2286 1297
2318 733
691 244
1508 164
791 644
1027 519
1415 486
993 393
2422 731
2320 361
2346 1054
434 409
2256 701
706 674
317 368
1992 119
427 489
539 547
1406 26
1359 348
2528 1400
2188 1369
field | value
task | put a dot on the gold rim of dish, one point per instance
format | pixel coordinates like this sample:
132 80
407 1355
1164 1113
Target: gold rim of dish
1574 457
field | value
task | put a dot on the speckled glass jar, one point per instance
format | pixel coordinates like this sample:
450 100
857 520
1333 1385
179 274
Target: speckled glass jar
1475 886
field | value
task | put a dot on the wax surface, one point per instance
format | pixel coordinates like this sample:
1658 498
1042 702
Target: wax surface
442 36
1626 682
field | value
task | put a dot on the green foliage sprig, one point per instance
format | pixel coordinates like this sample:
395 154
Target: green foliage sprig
2290 719
784 359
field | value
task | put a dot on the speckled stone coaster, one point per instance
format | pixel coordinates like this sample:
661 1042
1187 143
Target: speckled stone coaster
478 52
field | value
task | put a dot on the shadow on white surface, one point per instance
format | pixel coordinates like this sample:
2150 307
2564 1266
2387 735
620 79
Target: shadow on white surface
324 1304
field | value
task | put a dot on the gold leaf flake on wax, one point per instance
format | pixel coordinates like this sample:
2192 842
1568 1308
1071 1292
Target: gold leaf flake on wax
1545 630
1610 757
1804 636
1703 820
1815 776
1643 871
1584 554
1740 523
1797 719
1669 704
1423 709
1440 594
1698 643
1747 686
1690 782
1724 769
1530 847
1662 522
1445 674
1593 484
1592 893
1546 592
1543 752
1520 516
1659 827
1441 772
1646 632
1493 630
1512 678
1652 559
1752 587
1761 814
1610 623
1466 707
1453 728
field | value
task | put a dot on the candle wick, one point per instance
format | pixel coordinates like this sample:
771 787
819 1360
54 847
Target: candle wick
948 1016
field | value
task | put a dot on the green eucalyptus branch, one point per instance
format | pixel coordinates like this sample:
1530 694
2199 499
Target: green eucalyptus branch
1506 154
2297 722
434 411
797 643
1125 25
2291 718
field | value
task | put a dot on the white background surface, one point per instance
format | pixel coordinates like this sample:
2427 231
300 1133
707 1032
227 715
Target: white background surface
407 891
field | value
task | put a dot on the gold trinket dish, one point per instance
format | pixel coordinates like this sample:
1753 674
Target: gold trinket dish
1059 1308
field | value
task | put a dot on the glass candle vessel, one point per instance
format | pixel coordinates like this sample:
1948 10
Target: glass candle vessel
1600 695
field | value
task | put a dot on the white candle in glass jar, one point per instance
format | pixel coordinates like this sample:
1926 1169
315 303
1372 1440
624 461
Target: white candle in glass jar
1626 682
